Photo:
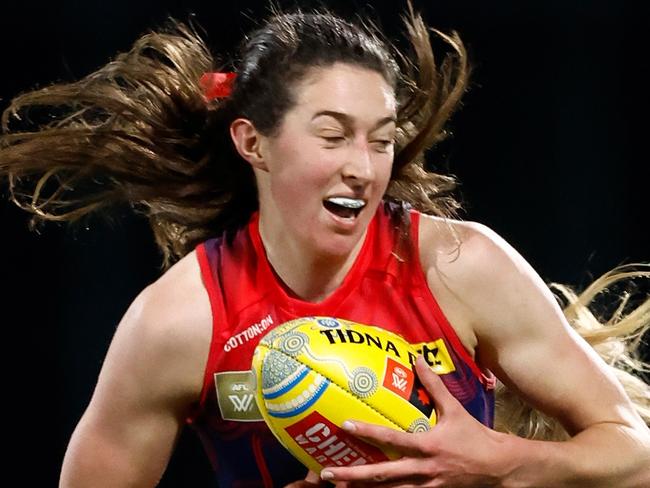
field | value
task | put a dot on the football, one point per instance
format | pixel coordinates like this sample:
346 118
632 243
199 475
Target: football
314 373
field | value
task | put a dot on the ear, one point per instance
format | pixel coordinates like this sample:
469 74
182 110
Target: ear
249 142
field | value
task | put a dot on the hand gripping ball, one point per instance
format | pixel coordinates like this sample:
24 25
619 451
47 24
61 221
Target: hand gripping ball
314 373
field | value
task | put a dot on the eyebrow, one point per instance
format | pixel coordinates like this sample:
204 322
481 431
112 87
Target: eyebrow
346 119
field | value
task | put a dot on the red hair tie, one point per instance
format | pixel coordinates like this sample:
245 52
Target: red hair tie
217 85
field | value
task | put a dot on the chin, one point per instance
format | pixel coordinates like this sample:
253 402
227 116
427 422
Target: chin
338 245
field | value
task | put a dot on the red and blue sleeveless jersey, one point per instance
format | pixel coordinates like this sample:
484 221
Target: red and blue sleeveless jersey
386 287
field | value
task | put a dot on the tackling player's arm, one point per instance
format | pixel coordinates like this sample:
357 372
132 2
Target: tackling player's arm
151 375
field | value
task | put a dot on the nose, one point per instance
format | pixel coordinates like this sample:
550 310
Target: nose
359 167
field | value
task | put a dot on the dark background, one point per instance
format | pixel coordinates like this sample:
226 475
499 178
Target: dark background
550 148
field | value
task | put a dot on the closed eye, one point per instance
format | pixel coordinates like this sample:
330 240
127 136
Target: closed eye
384 145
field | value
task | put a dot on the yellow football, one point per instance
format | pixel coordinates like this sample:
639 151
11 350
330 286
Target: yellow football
314 373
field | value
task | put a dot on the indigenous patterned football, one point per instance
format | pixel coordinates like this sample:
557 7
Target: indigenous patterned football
314 373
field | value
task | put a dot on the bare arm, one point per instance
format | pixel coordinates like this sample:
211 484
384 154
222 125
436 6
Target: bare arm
150 377
525 339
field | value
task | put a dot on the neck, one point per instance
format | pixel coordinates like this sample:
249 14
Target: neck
311 277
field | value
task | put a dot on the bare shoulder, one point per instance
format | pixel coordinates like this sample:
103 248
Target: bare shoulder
181 305
463 261
455 243
171 320
469 254
179 297
483 278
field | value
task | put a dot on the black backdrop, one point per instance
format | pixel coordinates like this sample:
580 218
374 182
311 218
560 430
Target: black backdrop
549 148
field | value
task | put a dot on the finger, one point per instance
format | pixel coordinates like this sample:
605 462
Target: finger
387 471
444 401
402 442
312 477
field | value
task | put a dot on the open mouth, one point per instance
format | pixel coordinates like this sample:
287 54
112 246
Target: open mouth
346 208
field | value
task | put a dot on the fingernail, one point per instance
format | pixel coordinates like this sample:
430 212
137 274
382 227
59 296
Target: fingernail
326 475
349 426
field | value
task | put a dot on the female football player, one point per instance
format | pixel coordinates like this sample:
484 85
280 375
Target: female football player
290 182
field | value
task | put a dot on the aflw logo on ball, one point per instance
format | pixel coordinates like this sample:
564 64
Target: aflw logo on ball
398 379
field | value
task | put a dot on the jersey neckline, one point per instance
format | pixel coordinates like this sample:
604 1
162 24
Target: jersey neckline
266 275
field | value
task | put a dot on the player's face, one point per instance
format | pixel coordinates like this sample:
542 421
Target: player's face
330 164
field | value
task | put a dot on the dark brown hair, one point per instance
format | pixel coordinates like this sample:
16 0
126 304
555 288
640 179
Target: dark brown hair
139 130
